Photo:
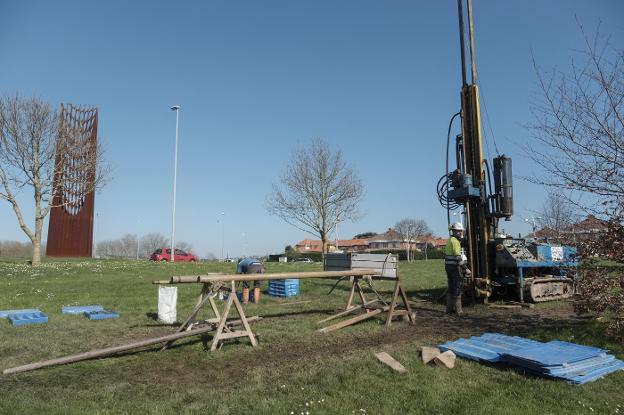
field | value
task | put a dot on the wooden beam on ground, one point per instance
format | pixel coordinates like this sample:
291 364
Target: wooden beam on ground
390 361
105 352
504 306
349 311
353 320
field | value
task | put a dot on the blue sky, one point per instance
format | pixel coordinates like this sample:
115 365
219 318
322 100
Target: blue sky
379 79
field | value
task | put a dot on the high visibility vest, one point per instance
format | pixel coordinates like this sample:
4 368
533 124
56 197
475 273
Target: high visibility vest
452 252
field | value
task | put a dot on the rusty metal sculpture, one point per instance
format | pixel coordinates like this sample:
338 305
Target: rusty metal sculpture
70 231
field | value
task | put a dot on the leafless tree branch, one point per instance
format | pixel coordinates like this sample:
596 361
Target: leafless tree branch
316 191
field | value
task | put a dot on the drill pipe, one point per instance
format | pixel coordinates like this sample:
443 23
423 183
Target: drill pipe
265 277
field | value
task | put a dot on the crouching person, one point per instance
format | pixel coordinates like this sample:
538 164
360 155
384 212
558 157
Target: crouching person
250 266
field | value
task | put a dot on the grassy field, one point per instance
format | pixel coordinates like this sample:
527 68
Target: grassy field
294 370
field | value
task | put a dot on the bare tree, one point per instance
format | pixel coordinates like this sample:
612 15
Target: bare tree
411 229
29 128
15 249
317 191
579 125
184 246
151 242
557 217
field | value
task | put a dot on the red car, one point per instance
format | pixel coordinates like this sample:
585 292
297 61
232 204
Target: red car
164 254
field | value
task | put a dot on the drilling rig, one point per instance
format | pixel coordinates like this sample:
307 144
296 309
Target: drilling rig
500 264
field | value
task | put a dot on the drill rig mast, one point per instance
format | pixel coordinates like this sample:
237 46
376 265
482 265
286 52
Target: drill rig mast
496 261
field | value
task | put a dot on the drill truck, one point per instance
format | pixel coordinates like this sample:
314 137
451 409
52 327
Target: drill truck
500 264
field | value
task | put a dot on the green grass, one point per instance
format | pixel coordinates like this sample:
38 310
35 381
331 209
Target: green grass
334 373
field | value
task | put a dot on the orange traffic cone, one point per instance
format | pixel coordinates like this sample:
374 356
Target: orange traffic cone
245 295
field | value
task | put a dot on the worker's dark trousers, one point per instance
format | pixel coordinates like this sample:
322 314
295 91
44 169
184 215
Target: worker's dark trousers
454 279
256 284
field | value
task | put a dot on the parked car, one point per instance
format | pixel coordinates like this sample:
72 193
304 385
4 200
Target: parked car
305 260
164 254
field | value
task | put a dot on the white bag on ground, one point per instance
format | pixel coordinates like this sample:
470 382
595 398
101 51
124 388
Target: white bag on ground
167 304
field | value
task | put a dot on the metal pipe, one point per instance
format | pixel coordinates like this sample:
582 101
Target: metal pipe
175 108
471 39
265 277
460 14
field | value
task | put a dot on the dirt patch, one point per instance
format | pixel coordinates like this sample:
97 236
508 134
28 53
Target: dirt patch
432 327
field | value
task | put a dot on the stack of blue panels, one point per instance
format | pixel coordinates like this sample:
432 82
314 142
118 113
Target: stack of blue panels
7 313
488 347
100 314
283 288
80 309
21 319
571 362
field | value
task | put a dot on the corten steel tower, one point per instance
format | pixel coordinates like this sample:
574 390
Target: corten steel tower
70 232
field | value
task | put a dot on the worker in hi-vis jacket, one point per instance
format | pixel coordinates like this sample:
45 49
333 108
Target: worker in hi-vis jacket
455 266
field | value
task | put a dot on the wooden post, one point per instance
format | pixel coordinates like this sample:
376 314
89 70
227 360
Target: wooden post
105 352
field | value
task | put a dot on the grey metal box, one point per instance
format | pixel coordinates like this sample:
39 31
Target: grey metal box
384 265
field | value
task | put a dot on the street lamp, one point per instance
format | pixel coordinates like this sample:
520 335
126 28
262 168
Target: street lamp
222 235
531 220
138 239
175 108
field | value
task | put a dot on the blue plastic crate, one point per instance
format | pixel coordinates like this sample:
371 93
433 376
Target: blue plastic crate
100 314
80 309
21 319
284 288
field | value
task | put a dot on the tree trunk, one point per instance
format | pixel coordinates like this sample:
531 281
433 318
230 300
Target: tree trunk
36 242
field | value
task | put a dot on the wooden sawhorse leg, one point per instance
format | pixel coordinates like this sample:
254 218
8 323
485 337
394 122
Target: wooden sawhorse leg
221 335
392 312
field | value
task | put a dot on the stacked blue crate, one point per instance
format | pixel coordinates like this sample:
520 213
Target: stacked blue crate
21 319
284 288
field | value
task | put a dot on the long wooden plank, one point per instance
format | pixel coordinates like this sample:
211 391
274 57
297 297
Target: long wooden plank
390 361
105 352
353 320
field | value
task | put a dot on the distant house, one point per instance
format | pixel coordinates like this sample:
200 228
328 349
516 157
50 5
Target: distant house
313 245
391 239
587 229
352 245
433 241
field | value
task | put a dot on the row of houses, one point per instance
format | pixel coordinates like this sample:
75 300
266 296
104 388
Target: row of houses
583 230
391 239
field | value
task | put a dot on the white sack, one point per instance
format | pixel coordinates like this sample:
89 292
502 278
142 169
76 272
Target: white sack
167 304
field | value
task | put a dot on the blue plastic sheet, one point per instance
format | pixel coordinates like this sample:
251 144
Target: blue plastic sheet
574 363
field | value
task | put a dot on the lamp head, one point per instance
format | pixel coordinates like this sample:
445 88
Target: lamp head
175 108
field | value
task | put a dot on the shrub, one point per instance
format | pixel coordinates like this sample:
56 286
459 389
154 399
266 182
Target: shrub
601 288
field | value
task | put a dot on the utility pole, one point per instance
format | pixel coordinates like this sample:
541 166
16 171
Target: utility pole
175 108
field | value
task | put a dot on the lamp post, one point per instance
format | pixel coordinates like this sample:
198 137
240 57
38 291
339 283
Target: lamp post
138 239
222 235
531 220
175 108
